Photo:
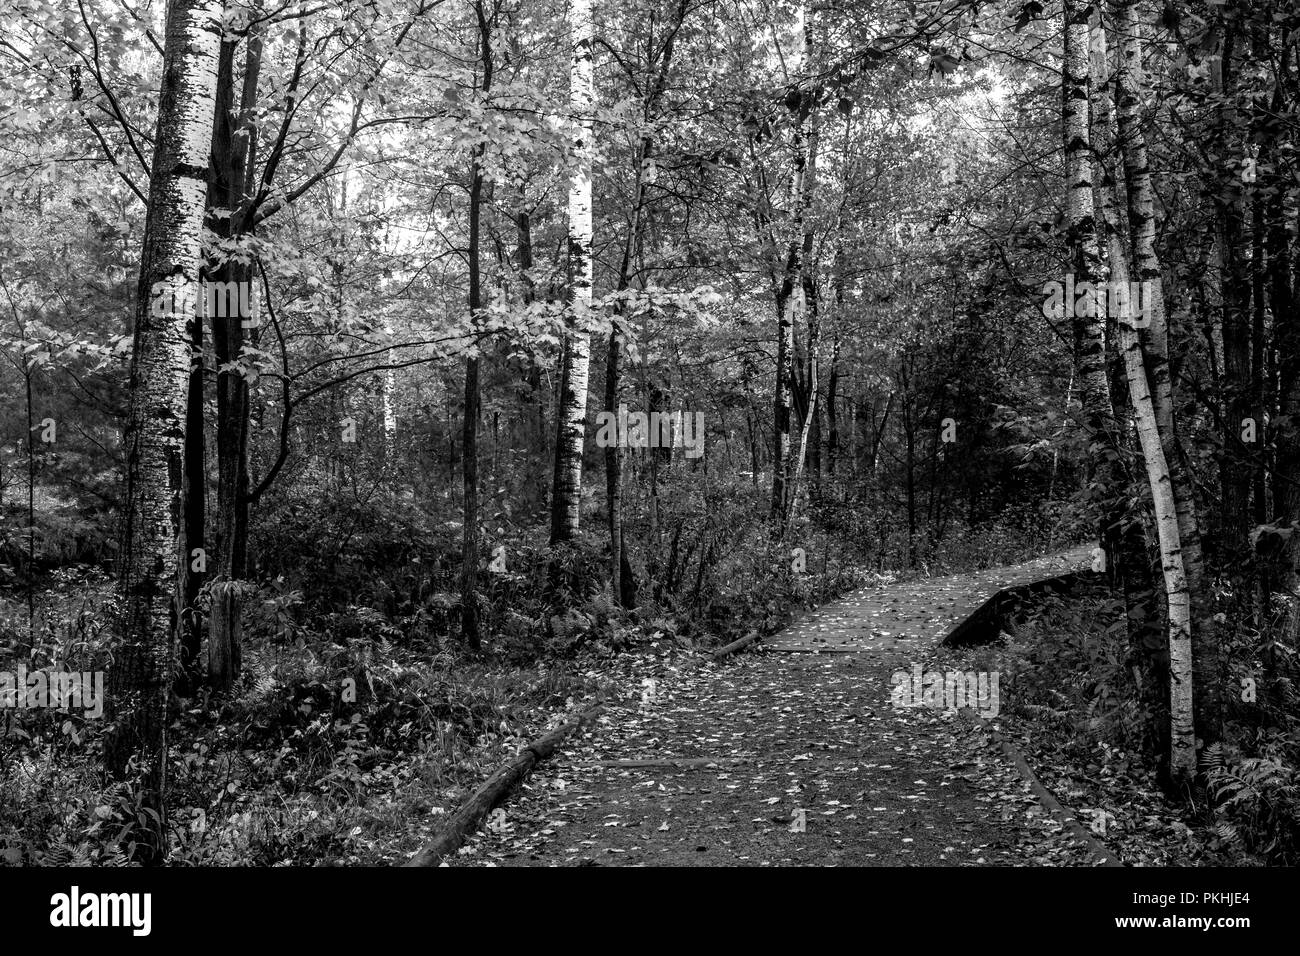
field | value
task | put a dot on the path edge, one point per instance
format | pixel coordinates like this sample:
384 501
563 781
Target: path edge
495 790
1047 799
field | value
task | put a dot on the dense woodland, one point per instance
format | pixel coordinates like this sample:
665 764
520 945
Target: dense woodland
383 378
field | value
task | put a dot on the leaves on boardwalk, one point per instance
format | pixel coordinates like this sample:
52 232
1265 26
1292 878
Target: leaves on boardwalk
811 764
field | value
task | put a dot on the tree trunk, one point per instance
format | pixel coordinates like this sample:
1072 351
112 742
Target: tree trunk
566 504
811 412
233 154
1182 731
614 467
794 288
1142 225
469 434
781 396
189 674
1234 464
833 377
533 423
622 586
150 562
1089 330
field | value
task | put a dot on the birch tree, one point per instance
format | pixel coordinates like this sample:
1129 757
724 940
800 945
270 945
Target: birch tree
1182 758
572 414
1089 329
151 568
1147 268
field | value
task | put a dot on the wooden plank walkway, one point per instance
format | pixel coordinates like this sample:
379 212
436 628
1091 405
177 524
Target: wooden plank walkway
921 613
793 759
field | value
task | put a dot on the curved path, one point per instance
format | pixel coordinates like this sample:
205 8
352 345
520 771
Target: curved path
792 758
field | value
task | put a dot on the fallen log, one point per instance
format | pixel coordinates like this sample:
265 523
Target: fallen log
734 646
495 790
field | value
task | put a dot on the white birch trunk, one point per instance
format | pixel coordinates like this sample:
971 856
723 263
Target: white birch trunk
1081 216
389 388
1182 758
152 561
1146 261
566 508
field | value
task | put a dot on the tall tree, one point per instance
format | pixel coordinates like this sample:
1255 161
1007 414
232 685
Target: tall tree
1130 95
484 21
793 294
571 417
659 62
234 157
151 562
1182 758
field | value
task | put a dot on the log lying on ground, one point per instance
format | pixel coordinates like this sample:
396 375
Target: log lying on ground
734 646
498 786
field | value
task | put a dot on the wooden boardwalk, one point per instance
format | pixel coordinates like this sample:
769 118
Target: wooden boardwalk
924 612
793 759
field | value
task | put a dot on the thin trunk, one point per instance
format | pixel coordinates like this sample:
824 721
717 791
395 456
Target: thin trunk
795 285
388 391
1182 729
833 378
189 675
233 156
909 436
1142 224
533 423
469 432
811 412
572 413
781 396
1230 234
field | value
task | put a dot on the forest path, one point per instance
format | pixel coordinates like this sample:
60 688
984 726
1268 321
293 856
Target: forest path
918 614
718 763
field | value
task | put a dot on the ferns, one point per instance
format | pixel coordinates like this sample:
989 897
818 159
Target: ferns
1257 798
1228 833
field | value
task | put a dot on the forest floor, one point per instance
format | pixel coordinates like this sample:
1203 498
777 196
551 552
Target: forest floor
778 758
